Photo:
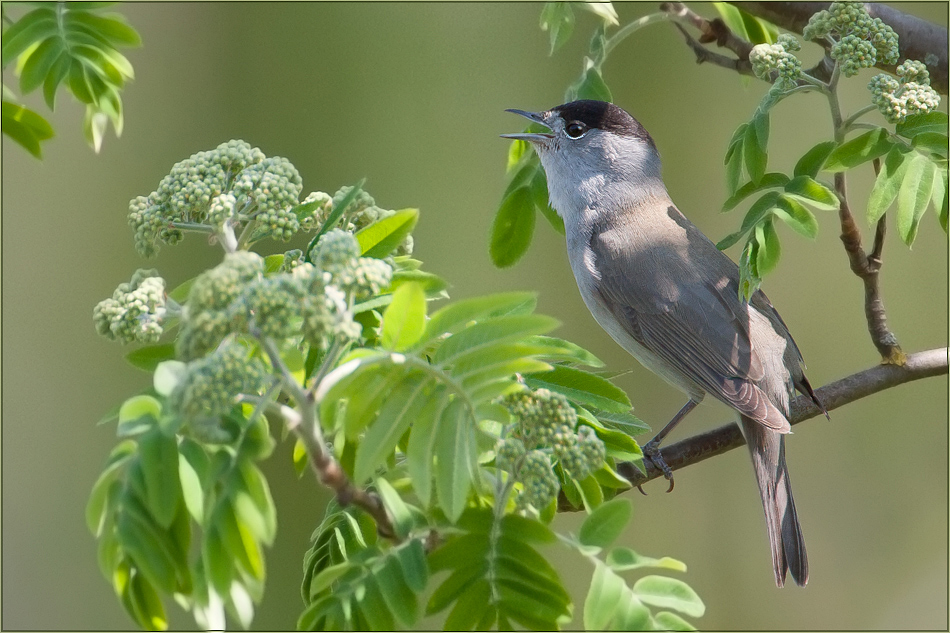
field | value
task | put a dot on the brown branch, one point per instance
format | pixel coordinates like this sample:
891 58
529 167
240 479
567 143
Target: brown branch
837 394
918 38
711 31
306 426
868 269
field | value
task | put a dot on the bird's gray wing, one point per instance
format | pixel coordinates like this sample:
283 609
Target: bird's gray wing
689 318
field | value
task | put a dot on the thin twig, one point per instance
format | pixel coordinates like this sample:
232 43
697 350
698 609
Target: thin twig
834 395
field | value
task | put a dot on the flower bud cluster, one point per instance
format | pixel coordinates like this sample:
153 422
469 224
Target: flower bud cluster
909 94
362 212
859 41
211 384
337 254
269 190
135 311
778 57
547 422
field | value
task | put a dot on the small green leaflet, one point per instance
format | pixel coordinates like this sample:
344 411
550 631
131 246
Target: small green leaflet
914 196
860 149
381 238
404 318
512 228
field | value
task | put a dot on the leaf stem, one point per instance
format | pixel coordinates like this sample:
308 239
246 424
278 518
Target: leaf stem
633 27
849 123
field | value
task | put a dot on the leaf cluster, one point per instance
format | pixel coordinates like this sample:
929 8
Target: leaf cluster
73 43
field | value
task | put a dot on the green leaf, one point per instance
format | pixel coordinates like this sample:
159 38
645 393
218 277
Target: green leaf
933 142
137 415
159 458
669 593
671 622
753 152
420 451
582 387
625 559
412 558
797 217
559 349
539 192
512 228
148 357
527 529
606 589
860 149
733 159
606 523
746 26
470 607
151 548
940 195
168 375
455 316
397 596
759 210
39 63
914 196
921 123
395 416
381 238
25 127
814 159
335 214
592 86
33 27
146 605
749 278
769 250
772 179
557 19
887 184
405 318
397 508
455 459
112 29
97 506
486 334
53 78
806 189
626 422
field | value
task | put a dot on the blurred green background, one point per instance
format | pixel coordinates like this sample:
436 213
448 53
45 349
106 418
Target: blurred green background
412 97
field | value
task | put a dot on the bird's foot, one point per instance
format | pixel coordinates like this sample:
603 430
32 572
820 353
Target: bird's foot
651 451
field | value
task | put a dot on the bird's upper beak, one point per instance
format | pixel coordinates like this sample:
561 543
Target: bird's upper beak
536 117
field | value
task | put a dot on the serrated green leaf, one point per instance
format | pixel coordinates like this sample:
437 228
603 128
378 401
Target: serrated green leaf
381 238
592 86
559 349
97 507
470 607
25 127
625 559
734 159
590 491
404 319
456 584
412 558
150 548
582 387
55 76
772 179
238 540
606 523
940 195
749 279
769 250
38 64
814 159
669 593
887 184
914 196
860 149
921 123
455 316
512 228
527 529
373 607
420 451
397 413
806 189
797 217
455 459
489 333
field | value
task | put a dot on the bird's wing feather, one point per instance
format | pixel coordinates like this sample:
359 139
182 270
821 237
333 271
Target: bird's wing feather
695 323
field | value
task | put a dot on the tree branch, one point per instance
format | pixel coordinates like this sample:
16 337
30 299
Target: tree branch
711 31
918 38
839 393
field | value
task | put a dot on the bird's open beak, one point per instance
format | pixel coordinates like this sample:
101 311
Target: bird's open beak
536 117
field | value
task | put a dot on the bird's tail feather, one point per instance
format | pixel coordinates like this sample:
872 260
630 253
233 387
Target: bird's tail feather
767 448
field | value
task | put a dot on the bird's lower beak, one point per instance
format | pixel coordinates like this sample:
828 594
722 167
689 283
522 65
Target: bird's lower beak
536 117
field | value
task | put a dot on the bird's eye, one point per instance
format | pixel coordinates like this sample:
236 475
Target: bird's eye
575 129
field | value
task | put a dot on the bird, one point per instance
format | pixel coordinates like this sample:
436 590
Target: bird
664 292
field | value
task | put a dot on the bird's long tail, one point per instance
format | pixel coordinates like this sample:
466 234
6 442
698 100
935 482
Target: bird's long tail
785 534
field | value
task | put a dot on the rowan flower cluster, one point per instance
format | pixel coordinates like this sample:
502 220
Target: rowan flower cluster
546 424
778 57
858 40
135 311
909 93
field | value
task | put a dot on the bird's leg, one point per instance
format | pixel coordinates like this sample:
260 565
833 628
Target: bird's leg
651 450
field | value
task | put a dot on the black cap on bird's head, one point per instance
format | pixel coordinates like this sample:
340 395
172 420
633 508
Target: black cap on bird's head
578 117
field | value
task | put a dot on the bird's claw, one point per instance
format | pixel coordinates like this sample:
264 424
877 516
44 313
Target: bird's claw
651 451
